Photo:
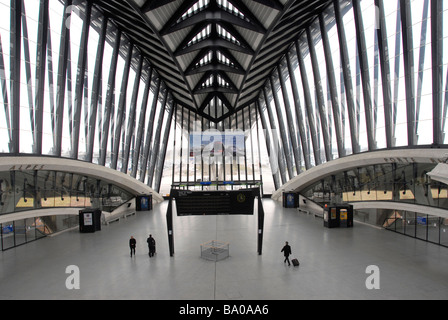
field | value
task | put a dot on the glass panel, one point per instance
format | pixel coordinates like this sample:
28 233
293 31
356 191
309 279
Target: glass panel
5 32
30 17
20 232
399 222
85 114
354 64
421 30
422 226
52 64
444 232
434 229
445 74
324 87
47 188
298 76
7 231
25 191
410 225
41 229
335 55
373 56
30 229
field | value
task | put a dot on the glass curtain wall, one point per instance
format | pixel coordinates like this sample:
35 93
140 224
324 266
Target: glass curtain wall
39 189
19 232
406 183
217 156
421 226
29 190
73 85
366 75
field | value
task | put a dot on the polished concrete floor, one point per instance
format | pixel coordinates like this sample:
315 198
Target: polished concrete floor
333 261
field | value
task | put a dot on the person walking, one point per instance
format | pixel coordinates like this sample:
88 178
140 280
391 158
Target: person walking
287 251
151 245
132 244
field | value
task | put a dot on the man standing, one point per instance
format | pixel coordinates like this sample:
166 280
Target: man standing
151 245
287 251
132 244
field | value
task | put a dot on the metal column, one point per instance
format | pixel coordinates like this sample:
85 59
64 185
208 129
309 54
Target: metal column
408 55
96 89
292 130
80 81
385 71
309 106
320 95
16 49
332 86
437 68
300 119
109 98
274 164
347 77
365 77
121 111
41 58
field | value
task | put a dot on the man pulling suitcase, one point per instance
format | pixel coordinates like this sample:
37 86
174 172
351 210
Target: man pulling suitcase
287 251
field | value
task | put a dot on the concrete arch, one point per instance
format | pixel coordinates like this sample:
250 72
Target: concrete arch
401 206
401 156
122 180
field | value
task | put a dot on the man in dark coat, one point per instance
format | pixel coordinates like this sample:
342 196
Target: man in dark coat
151 245
287 251
132 244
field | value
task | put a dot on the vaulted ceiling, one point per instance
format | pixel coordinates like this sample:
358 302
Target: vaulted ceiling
213 55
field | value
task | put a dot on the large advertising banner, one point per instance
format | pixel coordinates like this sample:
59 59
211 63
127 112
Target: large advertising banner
213 146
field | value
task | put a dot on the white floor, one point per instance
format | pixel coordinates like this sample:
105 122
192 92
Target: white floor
333 261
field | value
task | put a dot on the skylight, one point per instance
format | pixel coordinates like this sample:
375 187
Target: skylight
221 82
223 33
223 59
213 80
227 6
197 7
205 33
205 60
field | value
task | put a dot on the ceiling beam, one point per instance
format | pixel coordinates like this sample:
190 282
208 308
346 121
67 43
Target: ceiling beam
274 4
150 5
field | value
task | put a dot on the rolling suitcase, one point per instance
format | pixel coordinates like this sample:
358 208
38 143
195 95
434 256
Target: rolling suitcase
295 262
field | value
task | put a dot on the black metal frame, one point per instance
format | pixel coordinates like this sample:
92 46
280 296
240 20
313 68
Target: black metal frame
170 225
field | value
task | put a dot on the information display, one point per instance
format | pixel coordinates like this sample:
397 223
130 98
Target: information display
89 220
214 202
290 200
143 203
